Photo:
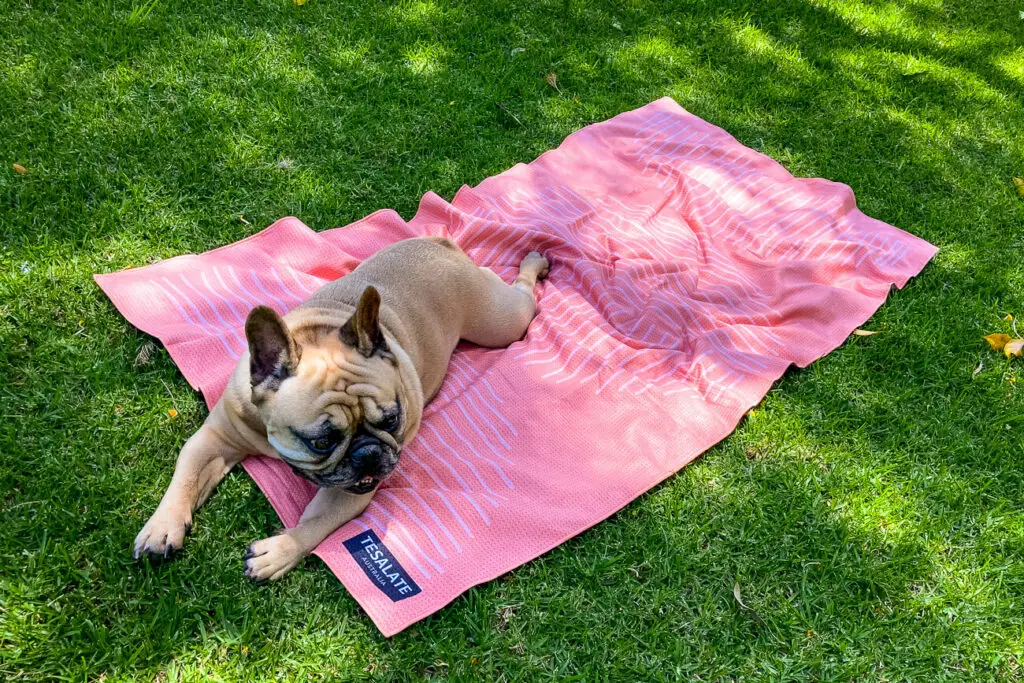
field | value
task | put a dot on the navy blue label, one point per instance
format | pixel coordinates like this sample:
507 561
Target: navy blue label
381 566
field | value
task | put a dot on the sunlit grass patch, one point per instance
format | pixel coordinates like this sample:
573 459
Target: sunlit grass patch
759 44
1011 64
425 59
922 23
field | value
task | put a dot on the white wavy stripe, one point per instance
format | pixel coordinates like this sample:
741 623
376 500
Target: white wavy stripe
479 456
211 329
400 528
386 493
392 539
468 465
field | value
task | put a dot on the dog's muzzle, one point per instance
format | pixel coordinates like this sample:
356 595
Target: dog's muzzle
367 461
366 454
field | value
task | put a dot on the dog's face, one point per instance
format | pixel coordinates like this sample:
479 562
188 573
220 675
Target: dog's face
331 399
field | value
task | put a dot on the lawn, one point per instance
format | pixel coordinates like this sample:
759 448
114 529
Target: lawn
869 510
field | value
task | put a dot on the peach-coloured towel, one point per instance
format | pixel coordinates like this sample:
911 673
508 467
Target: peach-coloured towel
688 272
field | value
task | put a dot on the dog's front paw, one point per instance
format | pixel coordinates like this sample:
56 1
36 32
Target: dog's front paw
272 558
163 535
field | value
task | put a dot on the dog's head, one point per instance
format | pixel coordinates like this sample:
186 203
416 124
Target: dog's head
335 402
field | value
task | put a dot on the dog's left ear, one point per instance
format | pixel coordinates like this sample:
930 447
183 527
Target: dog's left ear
273 354
362 330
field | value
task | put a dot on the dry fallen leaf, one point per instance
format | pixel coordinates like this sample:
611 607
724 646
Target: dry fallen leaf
1008 318
299 2
981 364
552 80
172 412
736 594
145 354
864 333
19 169
1019 182
997 340
1014 347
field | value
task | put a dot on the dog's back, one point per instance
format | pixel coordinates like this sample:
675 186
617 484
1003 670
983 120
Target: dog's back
427 286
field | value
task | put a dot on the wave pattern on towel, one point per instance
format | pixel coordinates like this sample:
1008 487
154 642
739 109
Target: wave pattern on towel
688 272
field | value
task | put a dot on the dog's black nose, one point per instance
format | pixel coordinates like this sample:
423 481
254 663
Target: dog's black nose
365 454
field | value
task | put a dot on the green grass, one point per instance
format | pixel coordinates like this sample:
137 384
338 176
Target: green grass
870 509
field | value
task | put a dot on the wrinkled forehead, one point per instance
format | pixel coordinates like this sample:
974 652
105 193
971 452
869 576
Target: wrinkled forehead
301 402
335 382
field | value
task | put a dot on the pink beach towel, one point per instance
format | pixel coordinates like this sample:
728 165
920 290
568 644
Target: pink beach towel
688 272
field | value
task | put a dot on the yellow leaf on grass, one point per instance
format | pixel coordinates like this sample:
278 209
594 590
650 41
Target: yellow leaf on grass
736 594
1014 347
864 333
19 169
173 413
552 80
299 2
1008 318
1019 182
997 340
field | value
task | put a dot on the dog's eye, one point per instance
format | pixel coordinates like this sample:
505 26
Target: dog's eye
322 445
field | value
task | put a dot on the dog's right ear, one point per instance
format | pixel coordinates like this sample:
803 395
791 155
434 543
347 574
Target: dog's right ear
362 331
273 354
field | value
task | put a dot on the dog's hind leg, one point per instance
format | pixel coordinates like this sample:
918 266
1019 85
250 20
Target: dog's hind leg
204 460
500 314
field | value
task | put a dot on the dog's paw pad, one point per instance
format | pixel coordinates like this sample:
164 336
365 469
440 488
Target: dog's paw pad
271 558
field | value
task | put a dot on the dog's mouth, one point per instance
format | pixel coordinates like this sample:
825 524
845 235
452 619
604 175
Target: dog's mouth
364 485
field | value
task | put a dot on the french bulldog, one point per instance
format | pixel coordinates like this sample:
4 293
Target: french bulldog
337 387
